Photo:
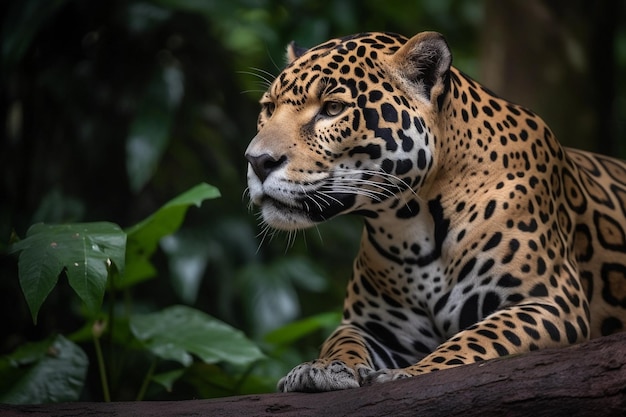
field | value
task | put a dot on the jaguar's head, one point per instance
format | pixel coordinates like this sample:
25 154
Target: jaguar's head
346 127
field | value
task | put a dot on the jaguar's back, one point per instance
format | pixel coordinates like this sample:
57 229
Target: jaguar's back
598 196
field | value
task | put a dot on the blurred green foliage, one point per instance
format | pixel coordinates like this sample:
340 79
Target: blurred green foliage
113 107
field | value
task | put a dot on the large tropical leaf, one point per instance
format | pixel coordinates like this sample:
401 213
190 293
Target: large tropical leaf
290 333
178 333
144 237
49 371
85 251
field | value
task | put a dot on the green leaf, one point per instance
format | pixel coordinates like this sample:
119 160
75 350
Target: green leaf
179 332
187 259
144 237
49 371
270 295
270 290
211 381
149 132
291 332
139 269
167 379
303 273
83 250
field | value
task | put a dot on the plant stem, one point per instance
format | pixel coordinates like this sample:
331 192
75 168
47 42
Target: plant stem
113 365
101 367
146 381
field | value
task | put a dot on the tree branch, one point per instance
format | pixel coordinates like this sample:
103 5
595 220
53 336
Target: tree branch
581 380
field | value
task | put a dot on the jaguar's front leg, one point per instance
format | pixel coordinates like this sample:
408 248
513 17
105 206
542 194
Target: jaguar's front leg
343 363
513 330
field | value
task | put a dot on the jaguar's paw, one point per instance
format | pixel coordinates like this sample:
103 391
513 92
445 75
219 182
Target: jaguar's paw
319 375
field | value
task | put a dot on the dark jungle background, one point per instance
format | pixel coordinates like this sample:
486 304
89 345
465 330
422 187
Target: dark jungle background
110 108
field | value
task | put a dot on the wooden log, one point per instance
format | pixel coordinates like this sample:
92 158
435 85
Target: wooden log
588 379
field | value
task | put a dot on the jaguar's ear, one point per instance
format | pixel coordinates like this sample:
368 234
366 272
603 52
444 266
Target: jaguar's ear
424 62
294 52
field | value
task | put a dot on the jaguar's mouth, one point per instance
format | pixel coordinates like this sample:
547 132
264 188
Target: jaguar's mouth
305 211
281 205
284 216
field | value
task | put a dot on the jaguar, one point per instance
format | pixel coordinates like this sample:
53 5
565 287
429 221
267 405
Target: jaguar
483 237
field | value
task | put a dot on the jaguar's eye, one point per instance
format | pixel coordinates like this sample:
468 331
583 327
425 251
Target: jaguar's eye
332 108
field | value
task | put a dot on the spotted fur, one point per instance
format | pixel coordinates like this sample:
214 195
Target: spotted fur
483 236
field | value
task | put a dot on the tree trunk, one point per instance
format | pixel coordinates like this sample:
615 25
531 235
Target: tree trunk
558 59
588 379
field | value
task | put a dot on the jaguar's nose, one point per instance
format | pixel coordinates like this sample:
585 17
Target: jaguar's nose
264 164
